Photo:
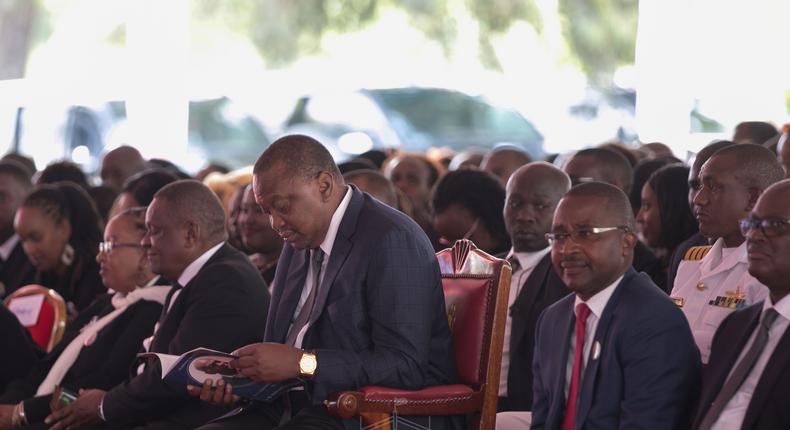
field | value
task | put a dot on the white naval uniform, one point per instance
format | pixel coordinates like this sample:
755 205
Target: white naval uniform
720 271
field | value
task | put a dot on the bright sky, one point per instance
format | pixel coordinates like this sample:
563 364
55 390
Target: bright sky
728 54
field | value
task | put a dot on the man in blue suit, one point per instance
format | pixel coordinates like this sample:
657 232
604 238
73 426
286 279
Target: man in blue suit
357 297
617 353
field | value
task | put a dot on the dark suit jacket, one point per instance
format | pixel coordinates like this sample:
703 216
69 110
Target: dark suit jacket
223 307
541 289
19 351
103 364
16 271
647 374
380 316
770 406
646 261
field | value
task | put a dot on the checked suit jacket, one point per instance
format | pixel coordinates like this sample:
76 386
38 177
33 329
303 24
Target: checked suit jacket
379 315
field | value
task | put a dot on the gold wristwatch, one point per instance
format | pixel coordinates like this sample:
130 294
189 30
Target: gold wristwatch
307 364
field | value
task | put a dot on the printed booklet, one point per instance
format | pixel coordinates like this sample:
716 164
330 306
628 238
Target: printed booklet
194 367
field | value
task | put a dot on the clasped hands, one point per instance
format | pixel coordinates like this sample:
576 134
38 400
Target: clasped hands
261 362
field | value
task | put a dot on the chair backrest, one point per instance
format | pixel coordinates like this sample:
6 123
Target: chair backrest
47 327
476 287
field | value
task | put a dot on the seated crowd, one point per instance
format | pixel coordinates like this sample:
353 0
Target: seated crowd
645 293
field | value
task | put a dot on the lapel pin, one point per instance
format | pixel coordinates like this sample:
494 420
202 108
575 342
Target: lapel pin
596 350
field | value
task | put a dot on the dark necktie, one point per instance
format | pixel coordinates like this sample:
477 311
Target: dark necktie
316 261
741 371
515 265
168 301
568 421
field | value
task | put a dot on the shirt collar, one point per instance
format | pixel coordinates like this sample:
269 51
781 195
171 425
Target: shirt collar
782 306
334 223
528 260
195 266
8 247
598 302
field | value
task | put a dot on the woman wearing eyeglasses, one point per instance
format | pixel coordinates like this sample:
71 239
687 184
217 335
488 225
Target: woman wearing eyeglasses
60 231
101 345
665 219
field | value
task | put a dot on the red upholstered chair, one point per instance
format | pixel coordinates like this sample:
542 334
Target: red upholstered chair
476 287
51 323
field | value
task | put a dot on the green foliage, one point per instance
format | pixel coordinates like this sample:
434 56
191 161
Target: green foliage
601 35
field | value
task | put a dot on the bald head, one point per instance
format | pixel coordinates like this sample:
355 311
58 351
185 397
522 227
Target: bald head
602 165
375 184
757 166
299 156
119 164
533 192
502 162
191 201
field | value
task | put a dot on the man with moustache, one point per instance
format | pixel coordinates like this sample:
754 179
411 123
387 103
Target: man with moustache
532 195
357 297
713 281
610 166
747 383
617 353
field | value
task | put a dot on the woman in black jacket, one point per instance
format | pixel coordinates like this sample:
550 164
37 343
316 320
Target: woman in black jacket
60 231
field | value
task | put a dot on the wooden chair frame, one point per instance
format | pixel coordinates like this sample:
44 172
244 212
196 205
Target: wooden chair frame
376 406
55 300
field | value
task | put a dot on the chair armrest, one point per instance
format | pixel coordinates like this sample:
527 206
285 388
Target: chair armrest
437 400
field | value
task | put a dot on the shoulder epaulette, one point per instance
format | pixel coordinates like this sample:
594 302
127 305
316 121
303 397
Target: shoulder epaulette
697 252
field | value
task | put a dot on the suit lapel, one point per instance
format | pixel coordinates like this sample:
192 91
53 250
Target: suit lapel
526 301
292 291
565 327
340 250
777 364
587 390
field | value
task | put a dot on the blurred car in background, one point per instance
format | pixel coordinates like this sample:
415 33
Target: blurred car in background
81 129
413 119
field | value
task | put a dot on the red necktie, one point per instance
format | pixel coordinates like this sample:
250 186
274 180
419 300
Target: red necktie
568 421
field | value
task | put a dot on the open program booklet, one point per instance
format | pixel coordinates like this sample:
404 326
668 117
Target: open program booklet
194 367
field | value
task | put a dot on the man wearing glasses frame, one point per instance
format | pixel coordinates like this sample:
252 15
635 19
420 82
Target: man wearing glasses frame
747 382
617 353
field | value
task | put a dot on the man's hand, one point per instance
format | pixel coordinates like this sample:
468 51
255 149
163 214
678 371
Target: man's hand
268 362
84 410
222 395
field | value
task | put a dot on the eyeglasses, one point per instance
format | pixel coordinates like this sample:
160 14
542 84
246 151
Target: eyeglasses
582 235
107 247
769 227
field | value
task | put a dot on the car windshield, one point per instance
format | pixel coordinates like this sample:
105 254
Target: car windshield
452 117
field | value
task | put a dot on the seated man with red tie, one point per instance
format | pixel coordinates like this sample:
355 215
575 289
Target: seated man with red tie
747 383
617 353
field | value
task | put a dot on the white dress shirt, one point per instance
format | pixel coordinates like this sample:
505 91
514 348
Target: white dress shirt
699 282
192 270
326 247
527 262
597 304
731 417
189 272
